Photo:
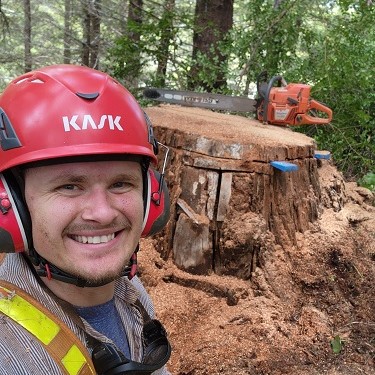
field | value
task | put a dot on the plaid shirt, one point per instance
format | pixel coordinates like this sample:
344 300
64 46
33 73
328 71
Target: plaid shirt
22 354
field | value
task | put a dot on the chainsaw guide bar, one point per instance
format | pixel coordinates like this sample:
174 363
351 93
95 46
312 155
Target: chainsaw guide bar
202 100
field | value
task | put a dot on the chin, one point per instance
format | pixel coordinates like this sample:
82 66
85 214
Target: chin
99 275
99 280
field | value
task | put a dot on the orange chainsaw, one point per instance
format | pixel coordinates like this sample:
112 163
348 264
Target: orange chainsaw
285 104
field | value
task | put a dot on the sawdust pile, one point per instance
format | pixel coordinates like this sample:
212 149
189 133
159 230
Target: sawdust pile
299 302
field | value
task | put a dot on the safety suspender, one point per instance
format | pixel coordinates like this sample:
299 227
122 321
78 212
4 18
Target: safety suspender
58 339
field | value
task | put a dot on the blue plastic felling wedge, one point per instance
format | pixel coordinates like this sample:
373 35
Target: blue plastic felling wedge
322 155
284 166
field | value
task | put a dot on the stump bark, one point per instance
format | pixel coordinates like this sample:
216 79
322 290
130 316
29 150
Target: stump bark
227 201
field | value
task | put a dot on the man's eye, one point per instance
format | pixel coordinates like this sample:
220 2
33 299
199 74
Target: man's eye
121 185
69 187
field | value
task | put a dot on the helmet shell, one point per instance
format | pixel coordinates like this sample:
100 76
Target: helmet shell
67 110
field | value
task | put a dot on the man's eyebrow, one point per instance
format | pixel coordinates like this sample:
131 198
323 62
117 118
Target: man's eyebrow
127 176
67 177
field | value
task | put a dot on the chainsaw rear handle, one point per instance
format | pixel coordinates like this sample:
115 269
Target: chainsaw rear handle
303 119
267 96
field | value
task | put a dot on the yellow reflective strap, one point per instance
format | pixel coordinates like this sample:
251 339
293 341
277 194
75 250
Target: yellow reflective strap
73 360
28 316
60 342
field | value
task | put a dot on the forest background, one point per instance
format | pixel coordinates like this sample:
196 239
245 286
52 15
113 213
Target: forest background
216 46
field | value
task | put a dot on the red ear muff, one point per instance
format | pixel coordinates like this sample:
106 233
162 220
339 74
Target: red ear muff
157 205
15 225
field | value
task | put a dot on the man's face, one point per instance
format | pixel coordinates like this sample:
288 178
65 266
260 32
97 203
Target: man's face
86 217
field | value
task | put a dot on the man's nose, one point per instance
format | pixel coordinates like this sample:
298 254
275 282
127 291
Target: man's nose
99 206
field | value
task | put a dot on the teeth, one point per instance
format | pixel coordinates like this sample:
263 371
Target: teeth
94 239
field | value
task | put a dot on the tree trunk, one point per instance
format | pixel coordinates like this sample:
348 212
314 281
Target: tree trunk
133 33
165 39
86 33
67 31
91 20
27 36
95 34
213 20
4 23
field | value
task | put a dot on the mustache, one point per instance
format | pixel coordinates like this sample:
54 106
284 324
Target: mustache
115 227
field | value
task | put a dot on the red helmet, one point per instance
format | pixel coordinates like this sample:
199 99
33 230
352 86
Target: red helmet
67 110
70 111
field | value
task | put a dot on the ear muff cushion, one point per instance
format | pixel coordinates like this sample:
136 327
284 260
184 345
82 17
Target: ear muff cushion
157 208
7 243
15 223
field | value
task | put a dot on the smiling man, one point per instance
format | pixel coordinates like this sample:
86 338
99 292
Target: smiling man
76 195
99 225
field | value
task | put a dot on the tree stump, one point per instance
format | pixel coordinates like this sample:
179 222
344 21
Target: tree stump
227 201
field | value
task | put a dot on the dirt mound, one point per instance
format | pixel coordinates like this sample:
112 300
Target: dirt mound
307 309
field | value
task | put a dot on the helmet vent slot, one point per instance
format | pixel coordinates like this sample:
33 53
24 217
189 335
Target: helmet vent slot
29 79
90 96
37 80
21 80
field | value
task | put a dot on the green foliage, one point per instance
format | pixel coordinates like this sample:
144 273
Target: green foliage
334 53
337 344
126 57
337 63
368 181
327 44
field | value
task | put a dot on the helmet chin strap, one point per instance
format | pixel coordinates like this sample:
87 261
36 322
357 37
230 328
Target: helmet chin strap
44 268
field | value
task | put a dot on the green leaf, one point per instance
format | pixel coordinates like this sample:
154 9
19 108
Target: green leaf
337 344
368 181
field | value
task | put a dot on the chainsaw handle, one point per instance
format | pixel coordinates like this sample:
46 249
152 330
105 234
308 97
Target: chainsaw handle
307 119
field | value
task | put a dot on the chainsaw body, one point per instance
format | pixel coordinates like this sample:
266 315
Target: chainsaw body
290 104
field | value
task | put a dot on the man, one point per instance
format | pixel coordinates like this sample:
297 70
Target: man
76 195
